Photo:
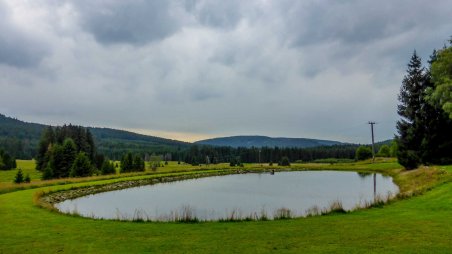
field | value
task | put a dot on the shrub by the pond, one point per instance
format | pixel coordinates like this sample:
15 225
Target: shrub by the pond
27 178
384 151
284 161
363 153
107 167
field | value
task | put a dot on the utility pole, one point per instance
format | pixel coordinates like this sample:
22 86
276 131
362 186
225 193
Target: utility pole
373 145
260 157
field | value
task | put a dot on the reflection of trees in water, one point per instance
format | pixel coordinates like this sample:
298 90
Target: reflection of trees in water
364 174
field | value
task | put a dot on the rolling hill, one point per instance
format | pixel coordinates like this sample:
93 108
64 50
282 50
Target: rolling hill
263 141
21 140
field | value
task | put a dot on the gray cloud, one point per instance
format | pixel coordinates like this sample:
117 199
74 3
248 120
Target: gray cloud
17 47
220 14
359 22
279 68
135 22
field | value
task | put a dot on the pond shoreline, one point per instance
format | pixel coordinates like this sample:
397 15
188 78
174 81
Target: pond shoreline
53 197
50 199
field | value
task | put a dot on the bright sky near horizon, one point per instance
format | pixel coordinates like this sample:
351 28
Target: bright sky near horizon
195 69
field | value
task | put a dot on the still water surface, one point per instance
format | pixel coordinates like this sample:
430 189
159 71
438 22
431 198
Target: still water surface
241 195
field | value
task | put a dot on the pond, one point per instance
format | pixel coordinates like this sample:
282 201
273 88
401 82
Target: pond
240 196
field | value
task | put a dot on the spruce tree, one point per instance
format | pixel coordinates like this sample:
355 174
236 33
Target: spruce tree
108 167
91 149
48 171
47 138
127 163
138 163
27 178
409 127
82 166
19 177
6 161
69 154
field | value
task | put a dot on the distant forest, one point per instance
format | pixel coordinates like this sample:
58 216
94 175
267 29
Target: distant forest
21 140
211 154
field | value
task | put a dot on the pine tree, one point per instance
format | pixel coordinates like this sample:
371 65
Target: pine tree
108 167
27 178
91 149
409 127
6 161
19 177
48 171
82 166
69 155
127 163
47 138
138 163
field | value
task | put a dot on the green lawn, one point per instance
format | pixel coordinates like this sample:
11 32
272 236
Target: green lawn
420 224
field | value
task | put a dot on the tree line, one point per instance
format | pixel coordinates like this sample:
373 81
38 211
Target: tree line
211 154
70 151
425 106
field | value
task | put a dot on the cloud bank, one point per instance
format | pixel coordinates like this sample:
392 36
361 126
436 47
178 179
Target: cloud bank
314 69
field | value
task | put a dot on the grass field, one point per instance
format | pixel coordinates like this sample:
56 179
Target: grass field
418 224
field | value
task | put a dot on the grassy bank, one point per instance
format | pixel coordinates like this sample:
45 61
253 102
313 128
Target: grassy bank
419 224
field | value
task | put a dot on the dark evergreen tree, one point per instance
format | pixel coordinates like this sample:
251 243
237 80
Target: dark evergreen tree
48 171
138 163
108 167
99 160
90 147
127 163
56 161
6 161
409 128
19 177
27 179
69 154
82 166
63 157
60 146
47 138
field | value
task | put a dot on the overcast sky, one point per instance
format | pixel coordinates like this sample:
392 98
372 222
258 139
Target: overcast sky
194 69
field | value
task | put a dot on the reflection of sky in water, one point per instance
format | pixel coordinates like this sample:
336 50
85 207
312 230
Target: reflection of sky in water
217 197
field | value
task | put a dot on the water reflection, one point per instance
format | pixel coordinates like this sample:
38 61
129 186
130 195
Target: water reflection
364 174
237 196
